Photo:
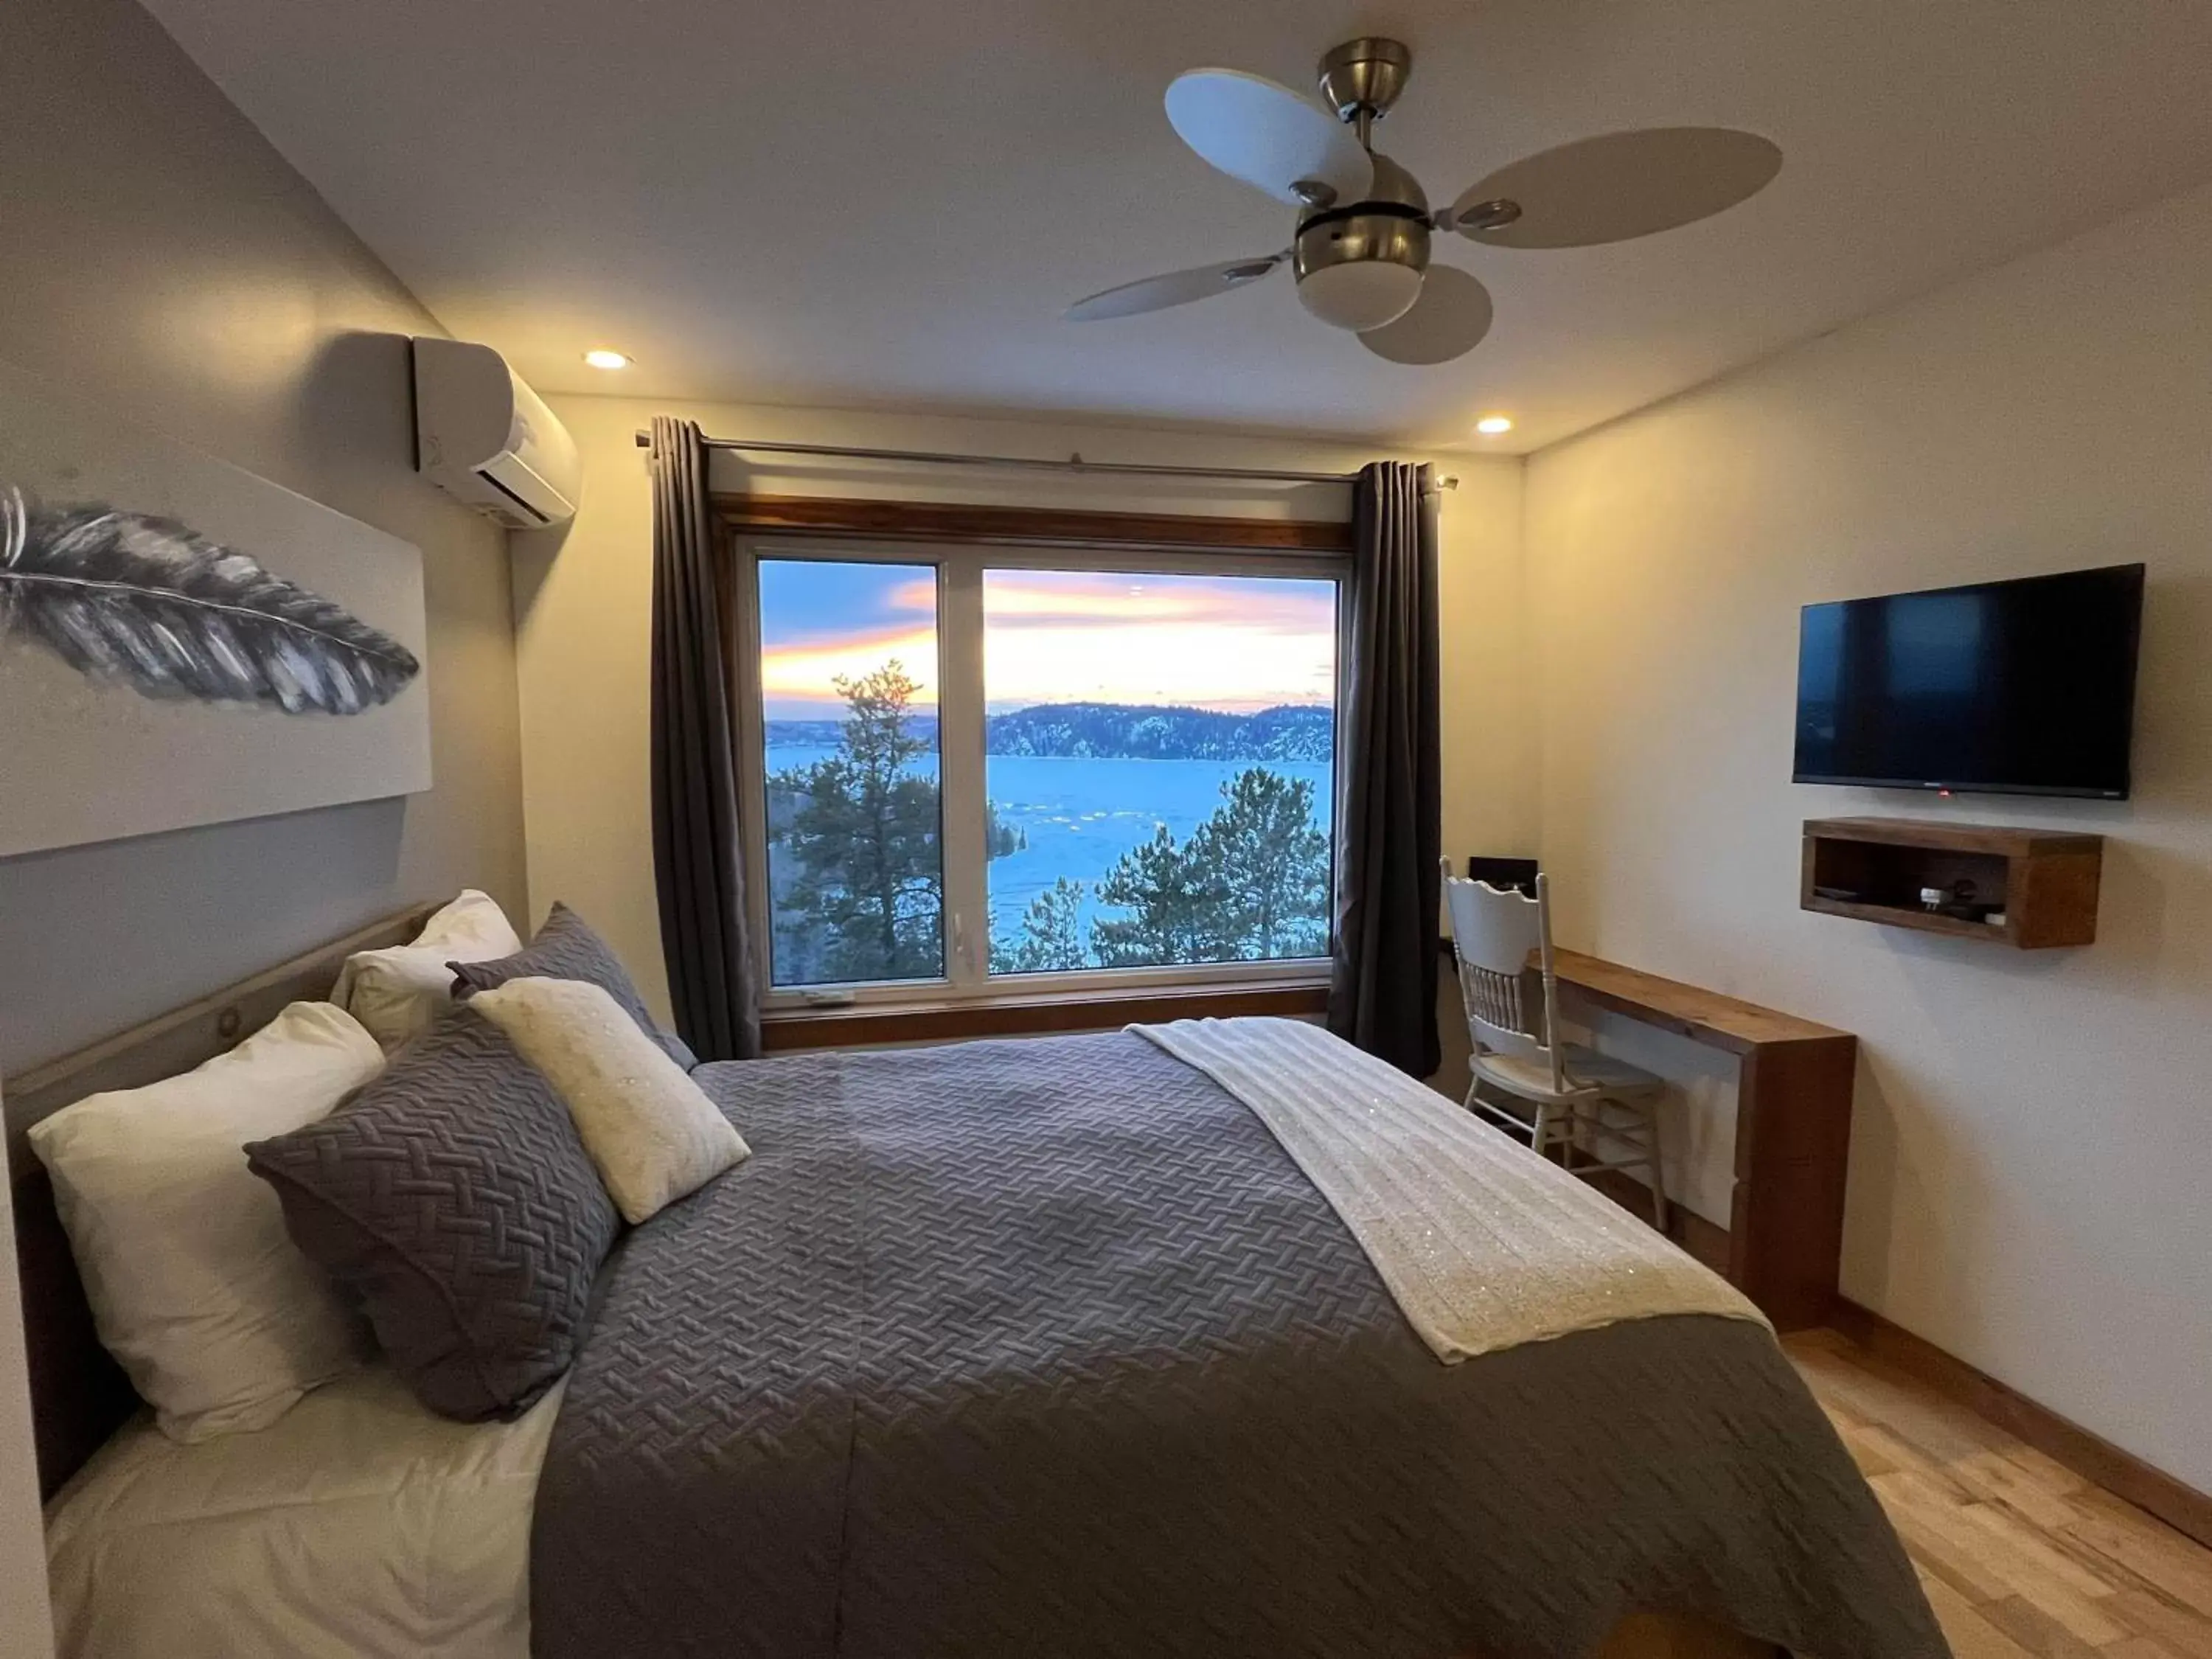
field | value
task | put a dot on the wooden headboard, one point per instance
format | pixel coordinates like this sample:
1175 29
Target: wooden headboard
79 1396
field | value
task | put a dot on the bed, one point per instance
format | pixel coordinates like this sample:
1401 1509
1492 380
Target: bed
1046 1347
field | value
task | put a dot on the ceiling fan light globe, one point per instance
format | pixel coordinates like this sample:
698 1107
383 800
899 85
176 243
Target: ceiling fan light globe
1364 295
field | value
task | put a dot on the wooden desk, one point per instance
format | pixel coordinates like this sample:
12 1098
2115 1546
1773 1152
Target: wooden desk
1793 1128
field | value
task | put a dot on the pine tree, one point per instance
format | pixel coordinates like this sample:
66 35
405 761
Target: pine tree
1002 839
864 838
1251 883
1177 908
1263 846
1052 934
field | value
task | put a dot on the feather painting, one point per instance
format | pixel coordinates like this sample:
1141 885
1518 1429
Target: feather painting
185 644
136 599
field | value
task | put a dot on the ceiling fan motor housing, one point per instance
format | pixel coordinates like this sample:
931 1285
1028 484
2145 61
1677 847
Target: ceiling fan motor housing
1364 76
1359 266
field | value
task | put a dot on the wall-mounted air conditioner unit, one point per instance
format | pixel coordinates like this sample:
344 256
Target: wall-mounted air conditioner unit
488 439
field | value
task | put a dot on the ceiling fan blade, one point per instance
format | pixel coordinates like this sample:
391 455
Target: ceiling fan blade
1177 288
1266 135
1620 186
1448 320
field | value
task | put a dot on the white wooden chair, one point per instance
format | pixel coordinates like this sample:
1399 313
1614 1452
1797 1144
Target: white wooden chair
1597 1112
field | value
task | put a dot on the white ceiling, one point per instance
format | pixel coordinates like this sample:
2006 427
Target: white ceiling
865 203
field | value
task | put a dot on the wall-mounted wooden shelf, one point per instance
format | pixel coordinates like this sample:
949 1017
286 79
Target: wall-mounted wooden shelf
2043 882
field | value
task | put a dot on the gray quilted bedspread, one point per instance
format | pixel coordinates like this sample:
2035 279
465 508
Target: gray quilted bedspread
1023 1350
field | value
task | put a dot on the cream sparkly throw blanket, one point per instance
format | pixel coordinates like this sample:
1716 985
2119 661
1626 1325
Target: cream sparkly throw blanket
1484 1245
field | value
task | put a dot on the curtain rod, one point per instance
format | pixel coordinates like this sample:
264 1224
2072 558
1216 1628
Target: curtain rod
1072 464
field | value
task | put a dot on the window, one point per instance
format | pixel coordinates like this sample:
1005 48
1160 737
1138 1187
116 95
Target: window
1158 764
848 697
976 769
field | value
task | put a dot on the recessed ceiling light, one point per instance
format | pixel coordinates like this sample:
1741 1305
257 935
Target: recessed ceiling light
1491 425
603 358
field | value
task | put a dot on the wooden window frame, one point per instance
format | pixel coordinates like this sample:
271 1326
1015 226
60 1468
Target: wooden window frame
1024 526
966 1002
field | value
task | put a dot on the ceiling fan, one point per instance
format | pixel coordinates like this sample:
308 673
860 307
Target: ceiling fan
1361 250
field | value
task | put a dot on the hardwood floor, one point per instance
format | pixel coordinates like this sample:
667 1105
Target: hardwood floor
2022 1557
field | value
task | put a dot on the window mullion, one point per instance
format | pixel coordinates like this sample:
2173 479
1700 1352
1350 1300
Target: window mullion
960 760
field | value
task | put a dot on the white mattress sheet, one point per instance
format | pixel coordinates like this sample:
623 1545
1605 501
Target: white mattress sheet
358 1524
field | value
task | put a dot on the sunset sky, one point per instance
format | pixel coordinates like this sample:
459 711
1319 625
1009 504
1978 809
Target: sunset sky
1239 644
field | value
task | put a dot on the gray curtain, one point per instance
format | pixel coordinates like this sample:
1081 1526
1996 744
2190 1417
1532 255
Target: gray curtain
1382 983
698 858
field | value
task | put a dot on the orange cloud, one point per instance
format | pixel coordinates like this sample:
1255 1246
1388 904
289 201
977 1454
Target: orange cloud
1100 599
1200 663
808 672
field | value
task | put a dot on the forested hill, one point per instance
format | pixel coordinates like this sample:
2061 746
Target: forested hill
1106 731
1110 731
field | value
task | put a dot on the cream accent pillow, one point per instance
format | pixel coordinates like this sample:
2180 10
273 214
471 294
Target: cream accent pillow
195 1287
651 1132
397 992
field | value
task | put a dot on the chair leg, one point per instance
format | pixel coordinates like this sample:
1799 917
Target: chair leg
1658 1173
1541 1130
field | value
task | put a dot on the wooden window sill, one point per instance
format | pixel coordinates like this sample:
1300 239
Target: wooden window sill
783 1030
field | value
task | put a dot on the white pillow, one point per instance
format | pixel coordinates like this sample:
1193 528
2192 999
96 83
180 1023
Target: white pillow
653 1133
194 1287
397 992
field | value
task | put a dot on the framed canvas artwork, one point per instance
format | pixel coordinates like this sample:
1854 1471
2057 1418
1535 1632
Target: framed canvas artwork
184 643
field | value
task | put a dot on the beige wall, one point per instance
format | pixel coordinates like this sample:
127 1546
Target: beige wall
2028 1182
159 259
583 600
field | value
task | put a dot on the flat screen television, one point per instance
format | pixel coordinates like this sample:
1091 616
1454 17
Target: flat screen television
2022 687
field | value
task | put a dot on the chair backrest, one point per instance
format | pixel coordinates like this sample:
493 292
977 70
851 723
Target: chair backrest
1495 932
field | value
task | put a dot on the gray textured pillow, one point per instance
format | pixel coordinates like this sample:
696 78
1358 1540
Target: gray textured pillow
567 948
453 1196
